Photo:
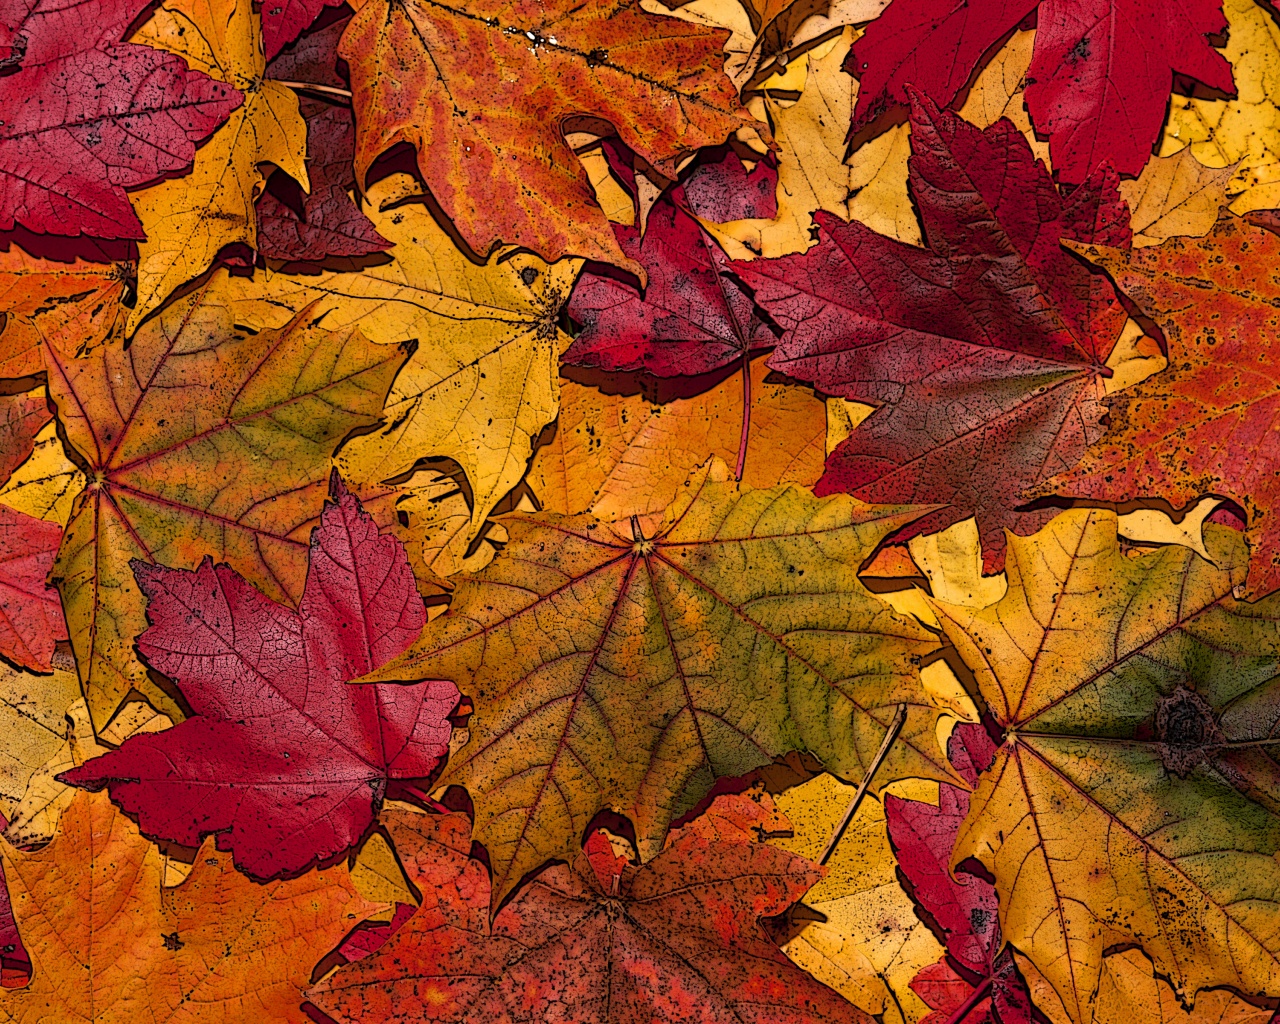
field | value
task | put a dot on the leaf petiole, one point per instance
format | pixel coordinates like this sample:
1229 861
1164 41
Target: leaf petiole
895 727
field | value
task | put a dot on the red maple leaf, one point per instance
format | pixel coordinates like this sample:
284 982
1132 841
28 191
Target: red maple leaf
1076 93
986 349
677 938
31 621
975 972
283 760
85 116
293 225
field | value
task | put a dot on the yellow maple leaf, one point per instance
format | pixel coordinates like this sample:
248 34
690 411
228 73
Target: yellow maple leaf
188 219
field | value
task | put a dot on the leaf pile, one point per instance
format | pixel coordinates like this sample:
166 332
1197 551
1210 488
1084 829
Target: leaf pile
731 511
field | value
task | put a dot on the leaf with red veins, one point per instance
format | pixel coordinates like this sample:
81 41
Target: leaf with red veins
677 938
31 620
1092 112
282 760
87 116
325 221
694 316
986 348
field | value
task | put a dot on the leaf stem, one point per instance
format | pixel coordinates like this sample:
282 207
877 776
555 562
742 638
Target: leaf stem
746 413
313 87
975 997
895 727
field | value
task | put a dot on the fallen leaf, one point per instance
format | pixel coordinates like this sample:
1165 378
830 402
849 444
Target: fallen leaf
988 348
72 306
692 317
1149 526
1132 799
328 223
285 21
1175 195
596 940
33 710
188 220
747 817
1207 423
868 943
617 455
952 561
104 936
201 438
85 115
31 620
482 382
1090 115
1243 133
291 774
22 417
483 92
747 658
45 486
1000 91
812 173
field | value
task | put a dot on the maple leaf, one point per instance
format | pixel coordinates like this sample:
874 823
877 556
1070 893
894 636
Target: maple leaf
1090 114
188 220
290 774
200 438
1175 195
812 171
73 306
328 222
483 382
30 613
68 151
597 939
483 92
988 347
750 816
32 710
760 640
1132 801
1204 424
693 316
46 484
963 905
106 939
617 455
857 930
22 417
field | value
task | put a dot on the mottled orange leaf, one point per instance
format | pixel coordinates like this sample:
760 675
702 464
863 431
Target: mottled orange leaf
200 438
482 91
107 943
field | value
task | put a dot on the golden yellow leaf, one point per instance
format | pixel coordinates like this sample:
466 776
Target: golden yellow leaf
108 943
871 943
33 711
812 173
618 455
484 380
998 92
46 485
378 877
952 560
1244 132
1150 526
188 219
1175 195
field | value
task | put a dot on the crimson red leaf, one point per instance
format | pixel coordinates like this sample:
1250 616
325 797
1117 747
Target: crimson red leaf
325 221
985 349
369 938
1074 94
14 962
22 417
723 190
284 20
282 759
694 316
86 116
677 938
963 905
31 621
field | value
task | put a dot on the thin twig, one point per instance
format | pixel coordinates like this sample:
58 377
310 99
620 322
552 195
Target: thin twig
895 727
746 413
312 87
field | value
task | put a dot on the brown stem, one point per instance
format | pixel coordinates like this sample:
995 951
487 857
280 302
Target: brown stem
895 727
312 87
746 413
